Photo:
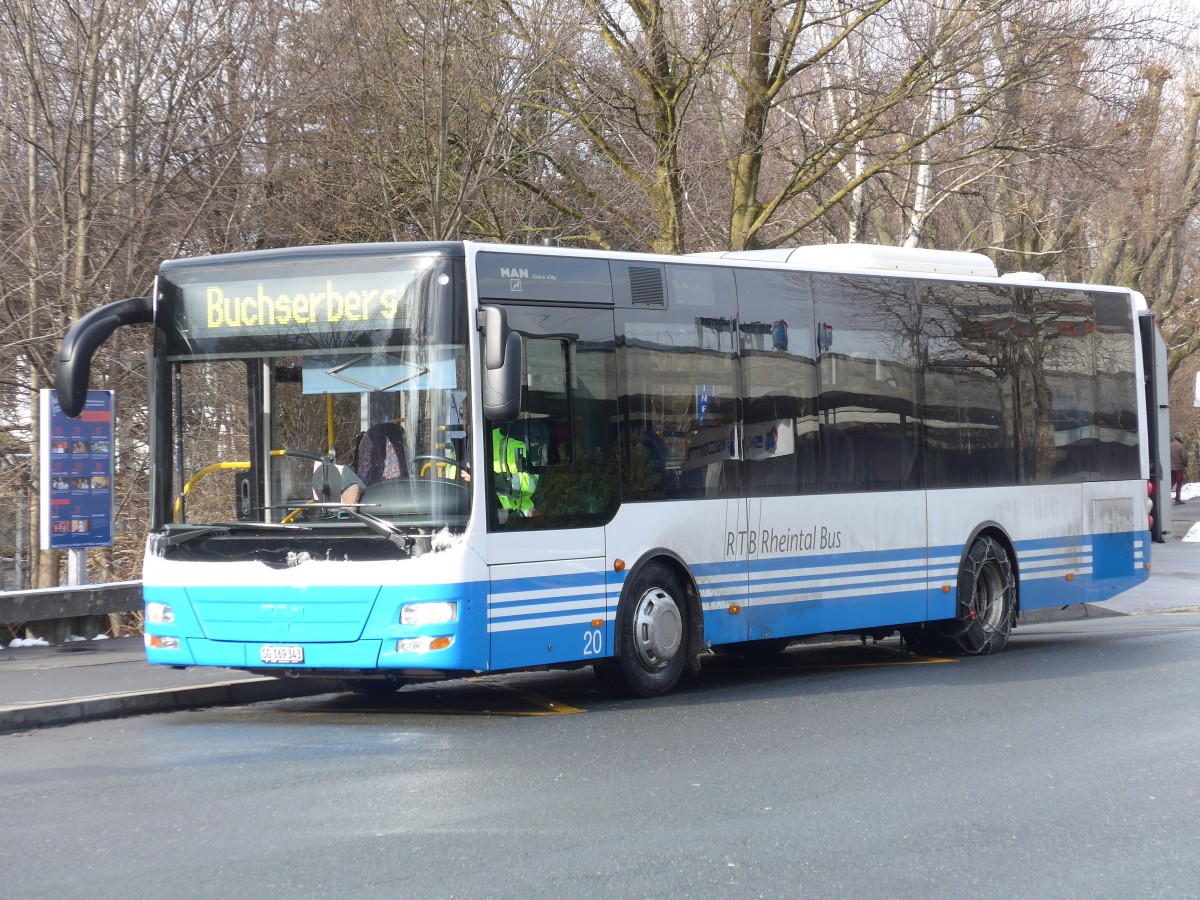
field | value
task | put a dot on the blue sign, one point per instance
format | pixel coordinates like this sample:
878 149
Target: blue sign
705 395
77 473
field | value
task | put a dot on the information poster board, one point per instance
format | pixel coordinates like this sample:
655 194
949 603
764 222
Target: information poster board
76 487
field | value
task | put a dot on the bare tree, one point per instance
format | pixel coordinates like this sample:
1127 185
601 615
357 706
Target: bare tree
417 120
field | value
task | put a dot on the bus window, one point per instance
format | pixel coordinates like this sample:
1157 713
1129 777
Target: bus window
212 411
867 331
681 392
1055 347
554 466
969 423
779 376
1116 428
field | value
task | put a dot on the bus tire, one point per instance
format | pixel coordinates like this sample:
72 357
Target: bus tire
651 637
987 599
987 607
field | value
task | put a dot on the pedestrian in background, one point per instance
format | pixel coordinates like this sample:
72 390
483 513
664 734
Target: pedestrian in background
1179 461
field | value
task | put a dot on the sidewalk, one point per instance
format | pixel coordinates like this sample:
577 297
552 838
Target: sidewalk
1174 570
75 682
103 679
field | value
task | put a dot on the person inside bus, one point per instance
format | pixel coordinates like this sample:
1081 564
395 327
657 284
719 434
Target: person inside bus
515 478
379 455
336 482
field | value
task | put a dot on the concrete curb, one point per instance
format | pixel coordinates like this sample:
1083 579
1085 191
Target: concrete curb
134 703
1067 614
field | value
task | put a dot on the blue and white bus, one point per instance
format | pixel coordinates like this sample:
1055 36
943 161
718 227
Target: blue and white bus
390 462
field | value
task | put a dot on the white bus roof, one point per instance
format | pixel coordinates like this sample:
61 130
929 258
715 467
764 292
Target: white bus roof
872 256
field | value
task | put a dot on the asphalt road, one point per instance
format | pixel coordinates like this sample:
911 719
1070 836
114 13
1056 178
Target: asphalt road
1068 765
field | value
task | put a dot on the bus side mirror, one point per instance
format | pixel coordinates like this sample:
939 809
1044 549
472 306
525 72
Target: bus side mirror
74 362
502 365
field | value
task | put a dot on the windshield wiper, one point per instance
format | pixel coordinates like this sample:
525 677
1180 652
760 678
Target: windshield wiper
172 538
380 526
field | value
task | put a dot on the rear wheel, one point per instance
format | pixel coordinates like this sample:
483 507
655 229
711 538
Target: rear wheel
987 606
651 636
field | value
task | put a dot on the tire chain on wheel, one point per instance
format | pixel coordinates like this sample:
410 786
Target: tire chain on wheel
965 634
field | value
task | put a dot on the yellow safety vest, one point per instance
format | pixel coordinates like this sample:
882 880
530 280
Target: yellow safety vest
515 484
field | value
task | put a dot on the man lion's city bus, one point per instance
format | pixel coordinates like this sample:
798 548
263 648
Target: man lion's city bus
388 462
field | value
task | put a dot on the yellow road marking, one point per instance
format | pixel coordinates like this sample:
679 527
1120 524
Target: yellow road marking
550 707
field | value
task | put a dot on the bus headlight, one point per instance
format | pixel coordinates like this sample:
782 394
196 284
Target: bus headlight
158 642
160 614
428 613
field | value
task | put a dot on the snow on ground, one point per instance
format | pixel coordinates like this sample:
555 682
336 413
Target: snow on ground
29 642
42 642
1190 491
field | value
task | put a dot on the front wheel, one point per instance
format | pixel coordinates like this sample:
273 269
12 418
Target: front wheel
651 636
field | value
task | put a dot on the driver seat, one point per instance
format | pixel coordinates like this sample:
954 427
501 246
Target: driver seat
380 454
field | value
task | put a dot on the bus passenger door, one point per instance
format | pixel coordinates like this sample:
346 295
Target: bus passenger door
552 483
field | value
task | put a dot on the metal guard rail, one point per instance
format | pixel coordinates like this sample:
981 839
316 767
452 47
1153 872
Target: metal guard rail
70 602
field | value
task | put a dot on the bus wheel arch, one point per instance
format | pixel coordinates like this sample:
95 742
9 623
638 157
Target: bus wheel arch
988 601
658 630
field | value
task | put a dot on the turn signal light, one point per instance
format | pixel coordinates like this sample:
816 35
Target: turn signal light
422 644
158 642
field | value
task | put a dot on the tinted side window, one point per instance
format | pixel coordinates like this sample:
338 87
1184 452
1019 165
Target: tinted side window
1116 450
680 389
867 335
780 378
968 410
1056 389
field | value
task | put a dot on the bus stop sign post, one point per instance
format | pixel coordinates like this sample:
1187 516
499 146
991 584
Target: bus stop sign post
75 490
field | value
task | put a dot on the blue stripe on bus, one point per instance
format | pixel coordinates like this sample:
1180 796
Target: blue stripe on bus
549 582
911 554
813 615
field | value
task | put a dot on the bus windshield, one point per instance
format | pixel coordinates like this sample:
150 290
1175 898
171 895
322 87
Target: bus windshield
315 393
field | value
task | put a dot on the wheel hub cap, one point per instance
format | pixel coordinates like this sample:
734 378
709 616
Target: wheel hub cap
658 629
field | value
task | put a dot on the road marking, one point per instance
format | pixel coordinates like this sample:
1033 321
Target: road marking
548 707
463 703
